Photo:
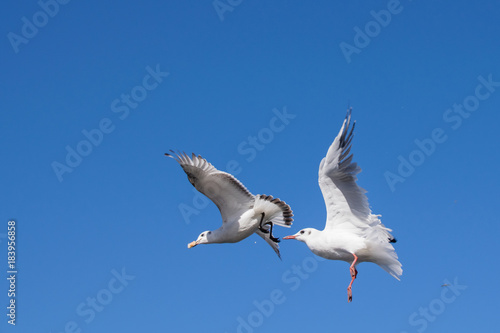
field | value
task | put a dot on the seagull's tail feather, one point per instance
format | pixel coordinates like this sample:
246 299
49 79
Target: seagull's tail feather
394 269
388 260
275 210
381 240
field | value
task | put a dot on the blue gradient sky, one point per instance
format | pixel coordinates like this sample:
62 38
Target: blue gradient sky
93 94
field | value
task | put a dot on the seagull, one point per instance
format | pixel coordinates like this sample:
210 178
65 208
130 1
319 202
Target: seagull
352 233
243 213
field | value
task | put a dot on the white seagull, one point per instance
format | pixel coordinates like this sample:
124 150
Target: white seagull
352 233
242 212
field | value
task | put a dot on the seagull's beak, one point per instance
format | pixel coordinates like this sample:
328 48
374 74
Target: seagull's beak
290 237
192 244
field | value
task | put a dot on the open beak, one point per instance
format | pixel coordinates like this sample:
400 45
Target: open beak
290 237
192 244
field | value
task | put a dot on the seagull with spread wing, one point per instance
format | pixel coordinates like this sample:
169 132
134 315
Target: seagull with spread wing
242 212
352 233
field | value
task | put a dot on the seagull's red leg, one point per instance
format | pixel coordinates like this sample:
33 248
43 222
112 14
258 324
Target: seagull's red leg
354 273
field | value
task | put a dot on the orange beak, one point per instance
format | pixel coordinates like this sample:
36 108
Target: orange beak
192 244
290 237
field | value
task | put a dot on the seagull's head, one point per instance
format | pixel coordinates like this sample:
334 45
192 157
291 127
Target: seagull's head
202 239
302 235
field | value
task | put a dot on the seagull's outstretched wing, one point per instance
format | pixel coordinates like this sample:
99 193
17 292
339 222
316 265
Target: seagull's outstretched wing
344 199
230 196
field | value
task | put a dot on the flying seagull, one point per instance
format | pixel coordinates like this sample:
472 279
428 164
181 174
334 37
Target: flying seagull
352 233
242 212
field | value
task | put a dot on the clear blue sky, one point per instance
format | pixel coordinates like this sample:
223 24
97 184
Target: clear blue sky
93 94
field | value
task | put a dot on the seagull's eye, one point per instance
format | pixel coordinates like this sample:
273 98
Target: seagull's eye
202 235
302 231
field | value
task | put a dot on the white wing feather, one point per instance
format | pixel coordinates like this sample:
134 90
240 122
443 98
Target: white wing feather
345 201
227 192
